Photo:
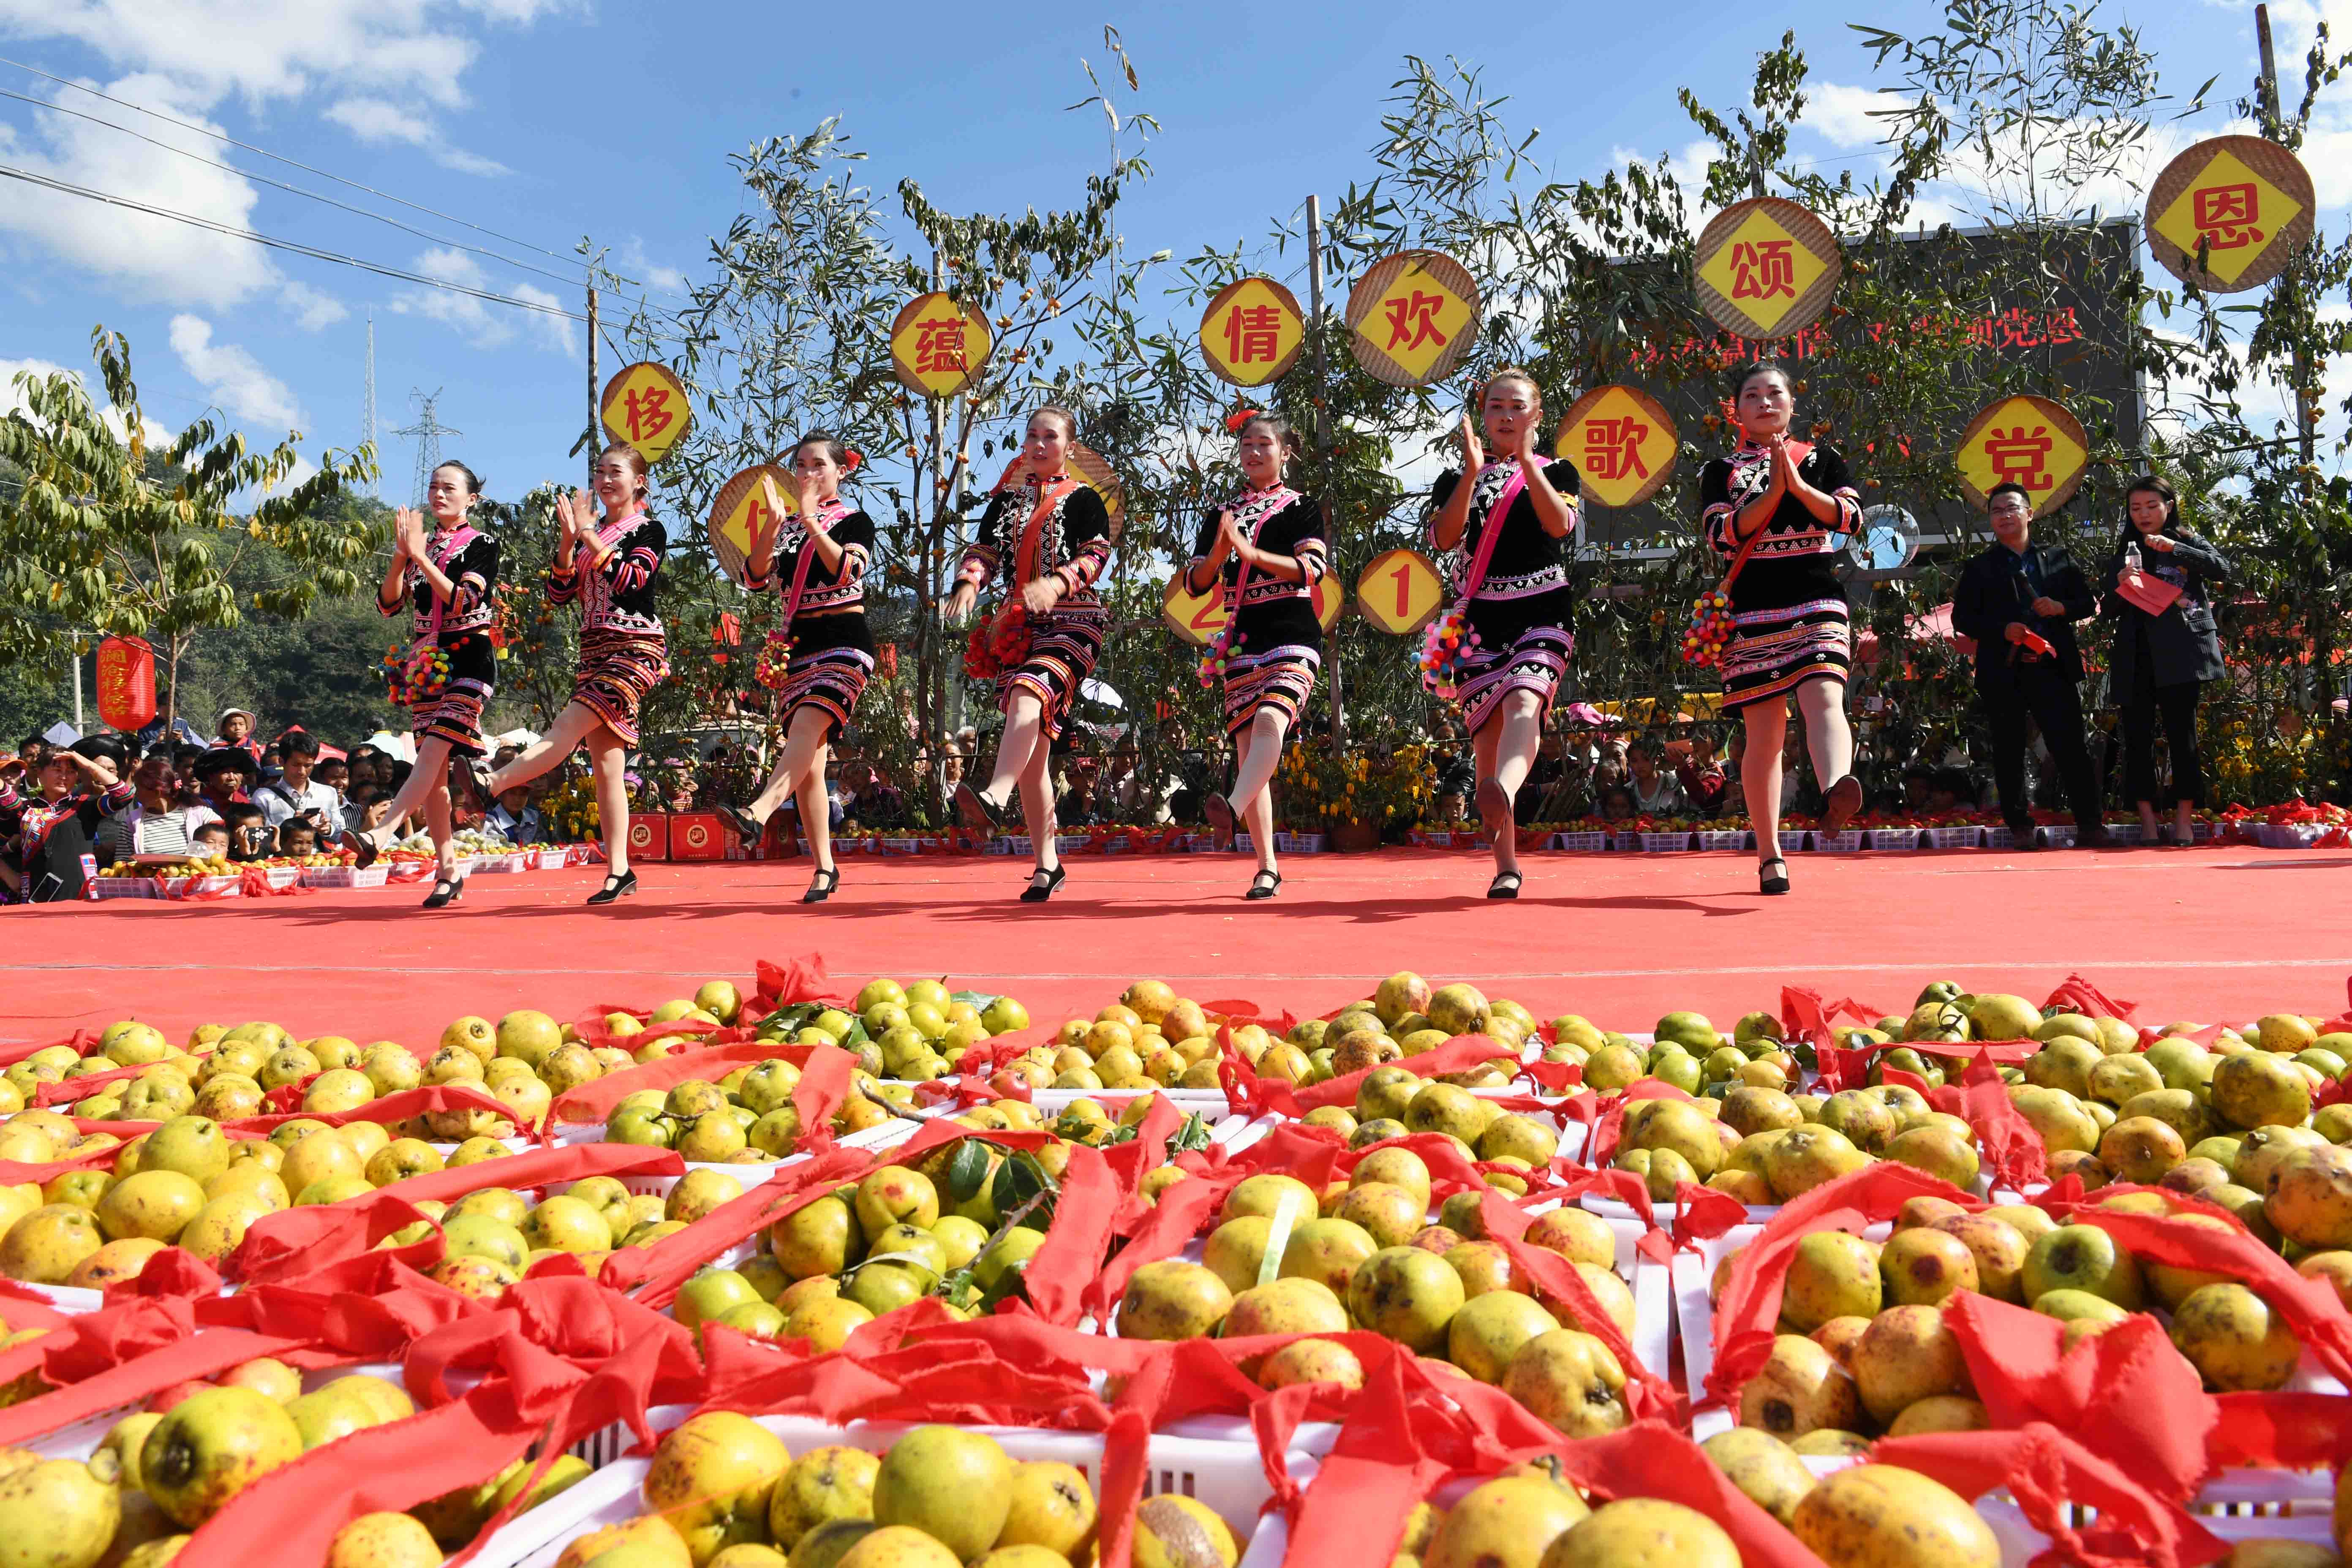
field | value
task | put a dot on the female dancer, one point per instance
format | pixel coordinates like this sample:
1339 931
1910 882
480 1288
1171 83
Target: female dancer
2164 652
1267 547
610 569
1515 521
1776 508
445 578
819 555
1049 534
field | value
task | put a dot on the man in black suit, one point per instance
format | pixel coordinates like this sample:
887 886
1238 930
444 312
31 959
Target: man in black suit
2019 601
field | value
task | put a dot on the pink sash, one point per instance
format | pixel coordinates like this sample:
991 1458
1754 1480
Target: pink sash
1475 578
822 522
1279 497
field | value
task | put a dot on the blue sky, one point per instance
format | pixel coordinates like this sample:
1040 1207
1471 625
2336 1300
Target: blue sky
546 119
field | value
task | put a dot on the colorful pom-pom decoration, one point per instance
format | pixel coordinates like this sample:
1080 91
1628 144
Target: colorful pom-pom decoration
416 677
775 660
1710 628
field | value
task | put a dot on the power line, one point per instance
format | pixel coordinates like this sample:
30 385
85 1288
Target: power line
266 153
68 187
568 283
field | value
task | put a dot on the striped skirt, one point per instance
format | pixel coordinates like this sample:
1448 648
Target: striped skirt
1774 651
1534 660
1281 678
616 670
1063 644
455 714
829 680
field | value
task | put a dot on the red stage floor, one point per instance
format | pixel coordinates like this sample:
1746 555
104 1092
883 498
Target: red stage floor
2205 934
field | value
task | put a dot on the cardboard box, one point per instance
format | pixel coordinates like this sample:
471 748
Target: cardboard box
648 837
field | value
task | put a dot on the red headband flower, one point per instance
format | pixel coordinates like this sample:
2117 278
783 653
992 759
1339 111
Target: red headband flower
850 458
1241 416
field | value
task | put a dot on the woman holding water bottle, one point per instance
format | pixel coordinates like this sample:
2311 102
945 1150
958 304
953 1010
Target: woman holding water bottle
2159 590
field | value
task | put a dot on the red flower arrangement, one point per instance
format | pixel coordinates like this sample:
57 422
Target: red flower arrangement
998 644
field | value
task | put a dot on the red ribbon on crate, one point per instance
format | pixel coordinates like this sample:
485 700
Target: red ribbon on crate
786 984
88 1383
2047 1471
594 1101
2079 996
654 1273
81 1042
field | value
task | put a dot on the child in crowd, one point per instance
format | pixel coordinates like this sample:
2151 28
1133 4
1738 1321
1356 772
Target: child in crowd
249 837
298 837
210 840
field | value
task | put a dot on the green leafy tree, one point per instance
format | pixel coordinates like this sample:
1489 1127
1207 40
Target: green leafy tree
95 541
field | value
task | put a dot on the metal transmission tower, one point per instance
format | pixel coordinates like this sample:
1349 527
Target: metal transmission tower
367 409
428 432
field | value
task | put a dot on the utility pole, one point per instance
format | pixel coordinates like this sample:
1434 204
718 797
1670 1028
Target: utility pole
2273 126
595 409
428 431
367 408
1323 440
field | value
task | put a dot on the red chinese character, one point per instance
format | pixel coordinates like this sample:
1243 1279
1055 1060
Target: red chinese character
1980 330
938 346
1612 448
1254 333
2018 458
648 414
759 519
2018 330
1761 272
2061 328
2225 216
1418 316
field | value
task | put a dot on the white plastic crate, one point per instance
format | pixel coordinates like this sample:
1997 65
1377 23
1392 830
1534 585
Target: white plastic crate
1958 838
1891 838
2123 832
1228 1477
2061 836
1846 843
1664 843
125 887
501 865
343 876
1581 842
1733 839
2000 838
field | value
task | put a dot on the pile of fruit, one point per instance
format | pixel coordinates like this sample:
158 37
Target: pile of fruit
192 866
1332 1191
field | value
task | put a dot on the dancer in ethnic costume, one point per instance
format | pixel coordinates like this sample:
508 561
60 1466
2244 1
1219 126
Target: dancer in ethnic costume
1049 535
610 569
1778 510
1515 522
1265 547
446 579
817 558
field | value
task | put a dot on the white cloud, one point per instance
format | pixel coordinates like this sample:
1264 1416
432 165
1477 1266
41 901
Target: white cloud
234 378
631 261
263 49
482 322
377 120
1842 113
312 308
12 400
151 259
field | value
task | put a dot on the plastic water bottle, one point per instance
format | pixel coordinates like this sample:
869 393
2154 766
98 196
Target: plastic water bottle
2131 556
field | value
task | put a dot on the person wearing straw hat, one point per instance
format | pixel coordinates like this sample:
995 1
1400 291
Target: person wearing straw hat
1776 509
1263 551
445 577
610 568
816 556
1503 648
1048 533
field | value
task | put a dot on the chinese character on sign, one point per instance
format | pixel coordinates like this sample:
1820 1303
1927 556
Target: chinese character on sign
1762 270
1415 317
759 519
2226 216
648 413
938 346
1254 333
1612 448
2018 330
2061 327
2016 457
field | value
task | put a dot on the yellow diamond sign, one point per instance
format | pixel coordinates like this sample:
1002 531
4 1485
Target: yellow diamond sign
2230 210
1415 320
1621 444
2028 441
1763 270
1251 332
644 405
937 346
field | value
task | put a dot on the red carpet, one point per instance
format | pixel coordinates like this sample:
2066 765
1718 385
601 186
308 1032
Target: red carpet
2204 934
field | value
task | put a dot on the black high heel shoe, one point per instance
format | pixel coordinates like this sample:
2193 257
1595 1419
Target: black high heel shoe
976 811
1778 884
1263 884
748 827
1498 888
1037 892
817 895
446 892
614 888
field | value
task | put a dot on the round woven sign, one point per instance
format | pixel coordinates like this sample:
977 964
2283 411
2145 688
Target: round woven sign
1765 266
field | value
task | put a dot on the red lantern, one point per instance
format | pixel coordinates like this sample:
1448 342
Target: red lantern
126 683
